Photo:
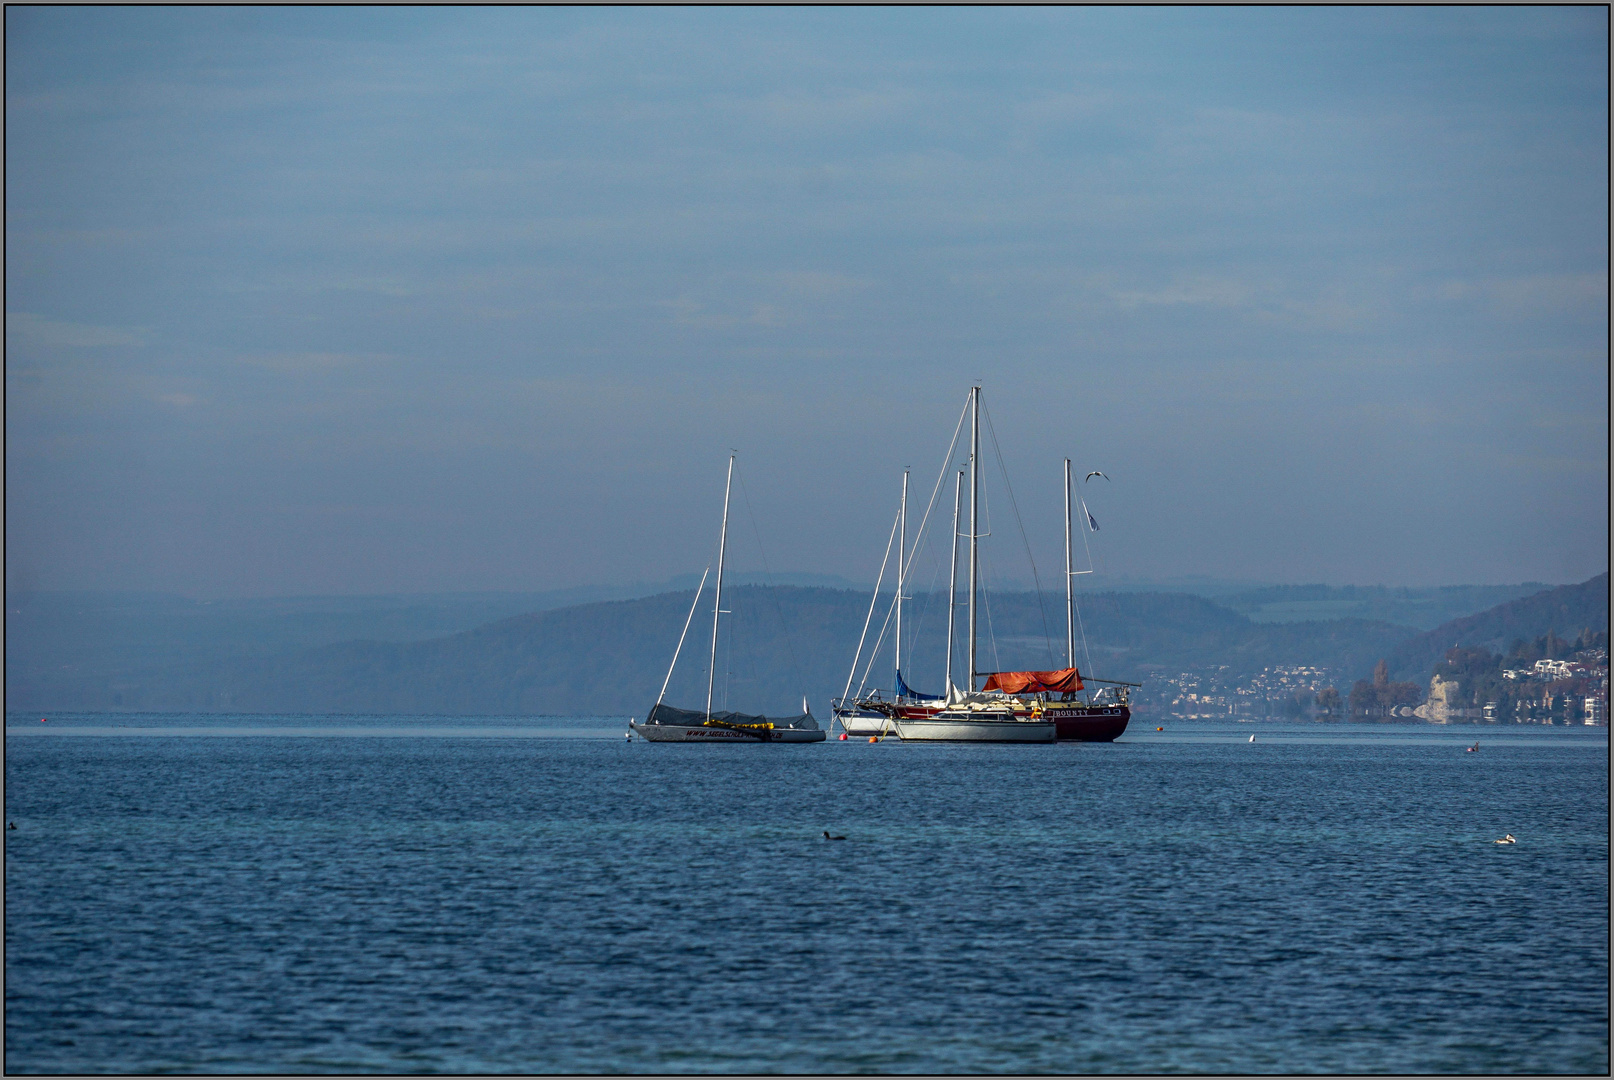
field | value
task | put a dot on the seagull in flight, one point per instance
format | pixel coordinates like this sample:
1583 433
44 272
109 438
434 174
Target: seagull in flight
1093 474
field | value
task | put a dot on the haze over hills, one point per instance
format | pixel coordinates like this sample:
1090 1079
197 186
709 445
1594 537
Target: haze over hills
1424 608
109 633
1567 610
610 657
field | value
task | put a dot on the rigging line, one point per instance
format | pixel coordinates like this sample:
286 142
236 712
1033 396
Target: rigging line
986 590
728 664
1087 656
790 641
1047 634
874 653
868 618
681 636
918 538
1087 520
930 594
986 602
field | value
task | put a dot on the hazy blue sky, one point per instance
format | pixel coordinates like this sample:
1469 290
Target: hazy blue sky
359 300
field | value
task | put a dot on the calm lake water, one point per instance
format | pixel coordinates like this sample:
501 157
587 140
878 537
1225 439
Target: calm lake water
305 894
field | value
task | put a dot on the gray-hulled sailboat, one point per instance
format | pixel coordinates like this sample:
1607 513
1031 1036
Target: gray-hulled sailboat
667 724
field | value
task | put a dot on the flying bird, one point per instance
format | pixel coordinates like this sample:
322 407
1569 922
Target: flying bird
1093 474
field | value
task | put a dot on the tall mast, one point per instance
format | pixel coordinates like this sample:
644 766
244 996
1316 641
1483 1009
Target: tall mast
1070 595
902 568
975 513
952 578
717 604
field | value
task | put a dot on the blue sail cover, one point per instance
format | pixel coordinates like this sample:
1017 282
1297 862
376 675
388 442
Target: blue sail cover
904 690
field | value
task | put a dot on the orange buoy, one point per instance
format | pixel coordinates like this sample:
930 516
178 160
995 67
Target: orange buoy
874 738
1160 729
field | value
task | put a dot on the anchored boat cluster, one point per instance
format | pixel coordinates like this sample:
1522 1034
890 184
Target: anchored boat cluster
1010 706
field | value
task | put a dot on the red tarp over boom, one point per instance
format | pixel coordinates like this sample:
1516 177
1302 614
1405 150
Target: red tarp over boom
1067 681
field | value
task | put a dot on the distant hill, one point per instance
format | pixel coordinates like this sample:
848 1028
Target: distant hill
1423 608
610 658
89 634
1567 609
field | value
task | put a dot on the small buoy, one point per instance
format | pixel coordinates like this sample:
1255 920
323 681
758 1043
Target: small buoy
1160 729
13 825
1474 749
41 719
874 738
628 735
843 736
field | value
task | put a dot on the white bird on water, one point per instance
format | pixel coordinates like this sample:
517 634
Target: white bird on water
1506 839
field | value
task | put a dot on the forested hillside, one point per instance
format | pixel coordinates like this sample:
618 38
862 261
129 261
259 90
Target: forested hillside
1567 610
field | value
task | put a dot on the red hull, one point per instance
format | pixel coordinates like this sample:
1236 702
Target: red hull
1095 725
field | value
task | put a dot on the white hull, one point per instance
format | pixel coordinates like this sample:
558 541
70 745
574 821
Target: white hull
855 724
940 729
680 733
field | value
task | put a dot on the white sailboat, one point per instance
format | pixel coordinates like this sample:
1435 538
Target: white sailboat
869 717
971 716
668 724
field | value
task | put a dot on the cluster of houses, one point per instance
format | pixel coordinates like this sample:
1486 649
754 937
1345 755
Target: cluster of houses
1573 691
1218 694
1566 692
1552 670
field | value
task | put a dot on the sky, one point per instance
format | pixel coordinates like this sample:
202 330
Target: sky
312 301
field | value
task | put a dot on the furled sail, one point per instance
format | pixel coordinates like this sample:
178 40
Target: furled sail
666 714
1064 681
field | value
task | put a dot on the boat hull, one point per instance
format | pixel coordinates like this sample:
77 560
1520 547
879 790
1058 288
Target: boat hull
1073 722
945 729
1088 724
683 734
865 723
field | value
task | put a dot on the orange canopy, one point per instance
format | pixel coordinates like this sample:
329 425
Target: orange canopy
1065 681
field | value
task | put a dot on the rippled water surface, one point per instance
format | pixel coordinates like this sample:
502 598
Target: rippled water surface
305 894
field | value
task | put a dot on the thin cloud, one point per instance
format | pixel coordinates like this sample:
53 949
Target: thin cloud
61 334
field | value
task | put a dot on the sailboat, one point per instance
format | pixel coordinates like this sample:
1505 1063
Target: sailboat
965 715
872 715
668 724
1051 695
1046 696
1100 717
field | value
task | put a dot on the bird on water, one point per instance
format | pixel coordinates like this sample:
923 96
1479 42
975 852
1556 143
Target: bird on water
1506 839
827 836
